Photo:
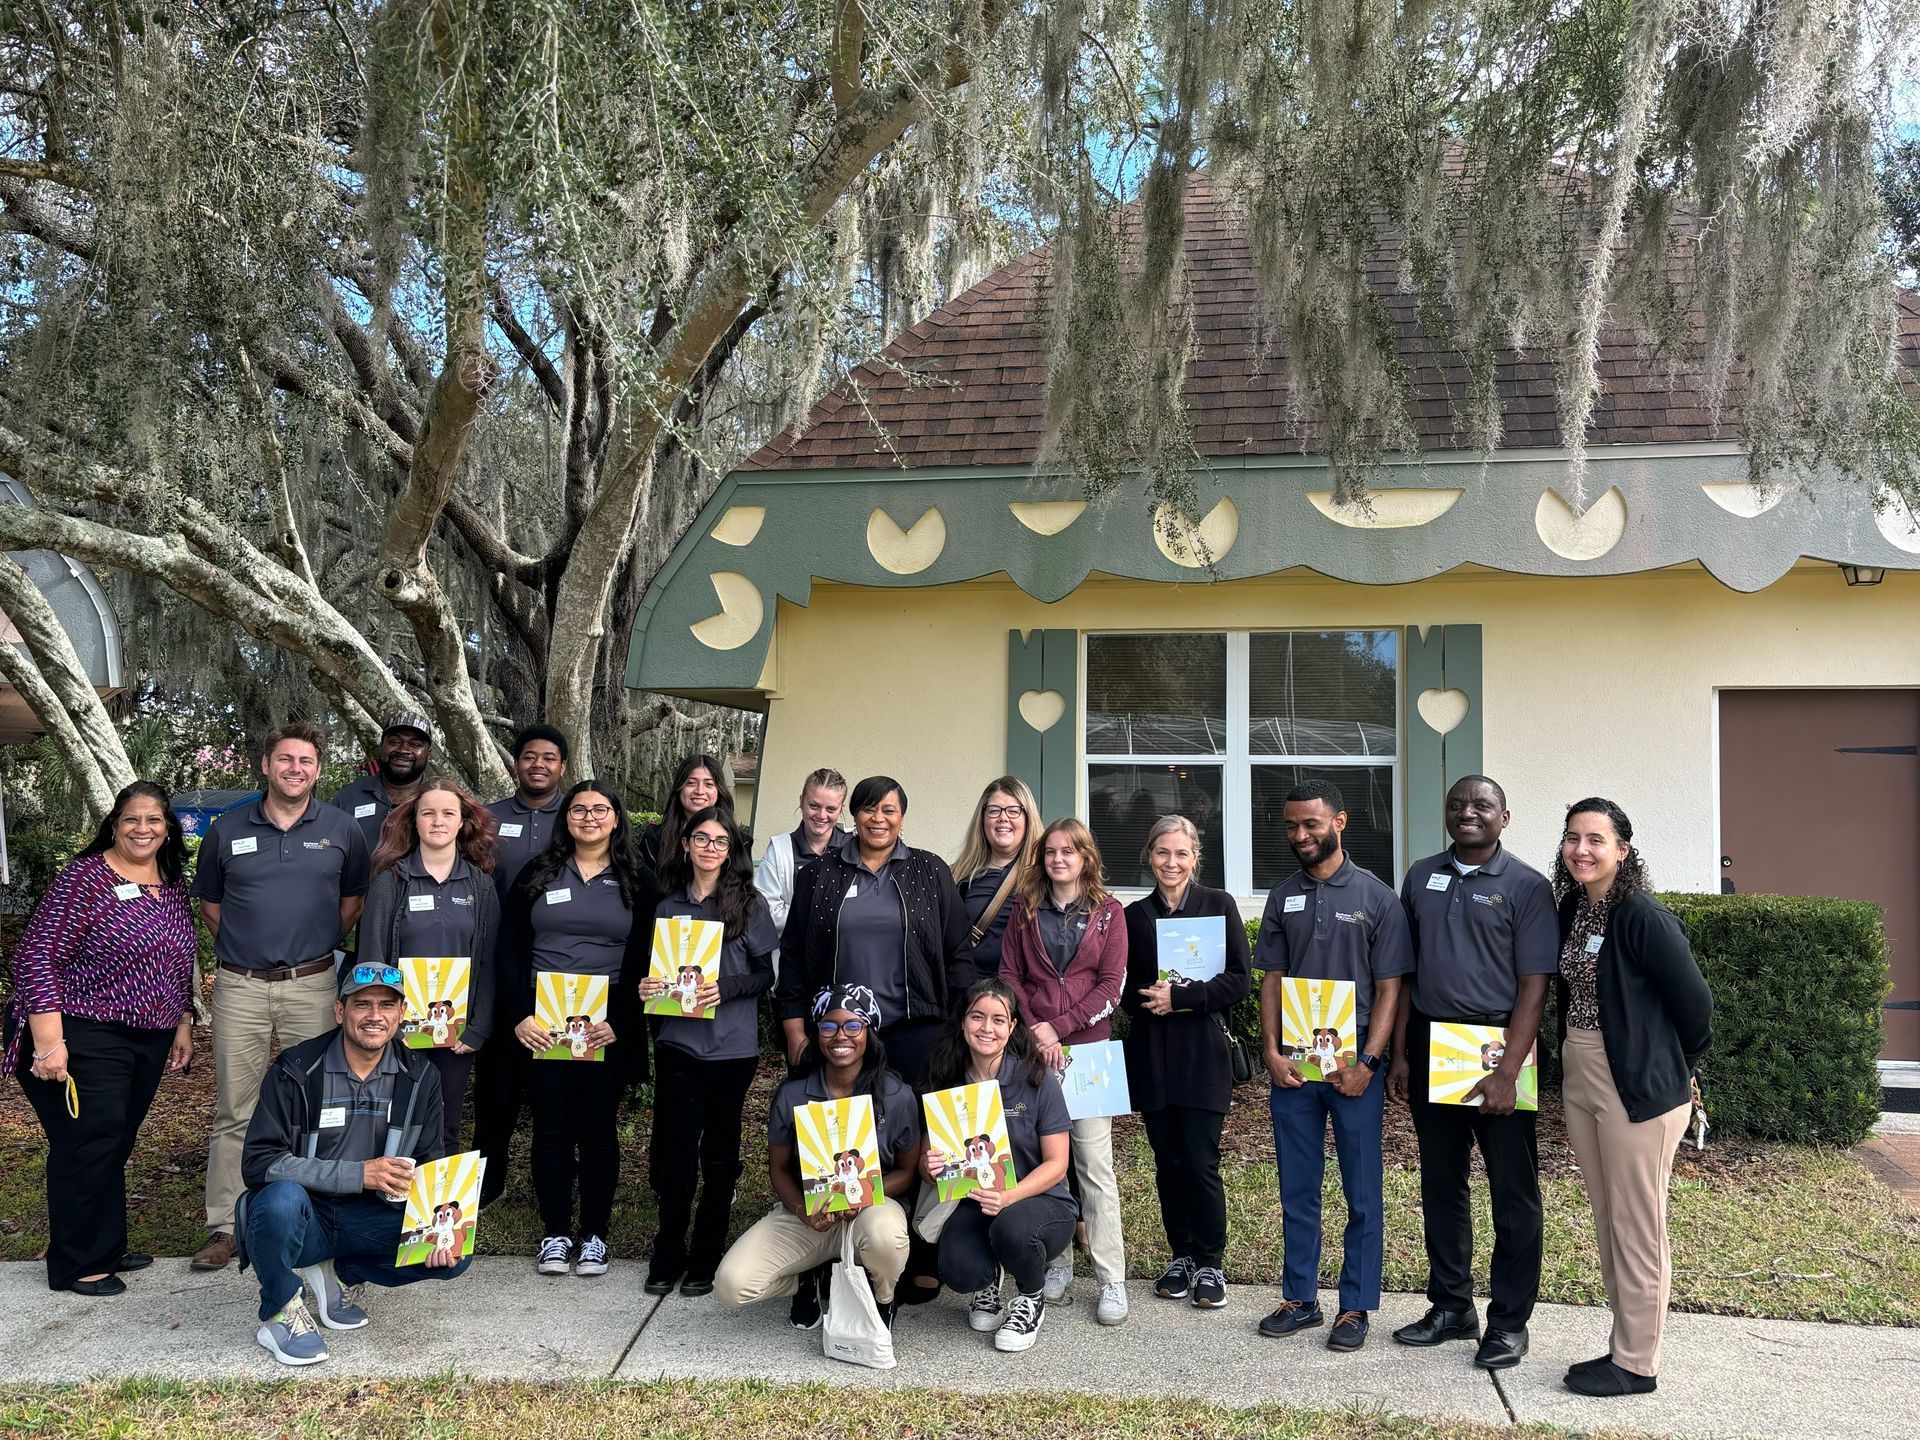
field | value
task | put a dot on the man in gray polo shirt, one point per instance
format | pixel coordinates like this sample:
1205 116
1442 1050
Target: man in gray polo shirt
279 881
1331 921
1486 937
406 745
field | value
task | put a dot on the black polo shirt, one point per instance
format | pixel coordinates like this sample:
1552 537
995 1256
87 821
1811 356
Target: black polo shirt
367 801
1061 931
1475 934
436 916
896 1116
581 926
1348 927
523 834
355 1114
279 891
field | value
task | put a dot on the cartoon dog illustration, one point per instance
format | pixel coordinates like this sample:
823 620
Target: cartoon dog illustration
1326 1050
439 1020
685 987
977 1164
848 1179
577 1027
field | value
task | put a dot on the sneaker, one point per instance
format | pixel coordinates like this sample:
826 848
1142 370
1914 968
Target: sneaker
1177 1280
215 1254
1349 1330
338 1305
1209 1288
1024 1318
1292 1315
804 1312
1059 1283
593 1257
1112 1309
555 1257
291 1336
984 1313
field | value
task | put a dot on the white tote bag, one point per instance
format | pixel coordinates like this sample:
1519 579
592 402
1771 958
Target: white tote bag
854 1331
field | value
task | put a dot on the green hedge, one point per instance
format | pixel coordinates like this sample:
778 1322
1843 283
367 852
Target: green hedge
1797 985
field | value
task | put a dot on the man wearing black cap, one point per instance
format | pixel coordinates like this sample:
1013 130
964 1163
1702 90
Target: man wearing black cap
341 1122
406 745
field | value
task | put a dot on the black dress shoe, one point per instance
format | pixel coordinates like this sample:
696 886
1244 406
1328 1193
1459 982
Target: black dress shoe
1604 1381
1501 1350
659 1284
111 1285
1438 1326
693 1289
133 1260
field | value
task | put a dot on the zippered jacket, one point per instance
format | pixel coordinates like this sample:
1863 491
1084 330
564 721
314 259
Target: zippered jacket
1078 1004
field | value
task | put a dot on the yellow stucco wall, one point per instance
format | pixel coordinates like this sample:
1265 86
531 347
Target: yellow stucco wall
1602 685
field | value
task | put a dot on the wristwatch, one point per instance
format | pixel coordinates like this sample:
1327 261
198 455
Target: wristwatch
1372 1062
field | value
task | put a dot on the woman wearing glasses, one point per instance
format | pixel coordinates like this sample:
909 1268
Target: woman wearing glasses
698 782
993 864
583 907
707 1048
432 895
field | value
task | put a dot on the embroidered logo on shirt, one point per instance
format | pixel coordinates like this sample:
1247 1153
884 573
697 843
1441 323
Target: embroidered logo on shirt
317 844
1489 899
1352 917
461 899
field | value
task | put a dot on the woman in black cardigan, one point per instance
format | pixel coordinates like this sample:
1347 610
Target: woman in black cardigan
1178 1069
1636 1017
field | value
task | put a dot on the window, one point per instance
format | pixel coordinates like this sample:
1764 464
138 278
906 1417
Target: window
1219 727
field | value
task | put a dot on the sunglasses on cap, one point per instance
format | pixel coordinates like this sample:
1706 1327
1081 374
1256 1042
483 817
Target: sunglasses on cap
377 975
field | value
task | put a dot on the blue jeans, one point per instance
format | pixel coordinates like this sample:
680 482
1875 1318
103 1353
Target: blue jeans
1299 1146
288 1228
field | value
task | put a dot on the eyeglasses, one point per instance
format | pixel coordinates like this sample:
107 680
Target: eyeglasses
377 975
1002 812
852 1029
709 842
589 812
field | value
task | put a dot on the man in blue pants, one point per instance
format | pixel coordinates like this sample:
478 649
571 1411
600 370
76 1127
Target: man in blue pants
1331 921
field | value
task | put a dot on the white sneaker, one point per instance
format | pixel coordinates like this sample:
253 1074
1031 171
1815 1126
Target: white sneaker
339 1305
984 1313
555 1257
1112 1309
593 1257
290 1336
1059 1283
1024 1318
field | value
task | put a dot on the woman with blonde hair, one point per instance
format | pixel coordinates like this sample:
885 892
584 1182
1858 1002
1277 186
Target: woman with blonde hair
1002 841
1065 957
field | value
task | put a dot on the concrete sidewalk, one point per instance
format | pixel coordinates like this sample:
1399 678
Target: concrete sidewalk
1723 1376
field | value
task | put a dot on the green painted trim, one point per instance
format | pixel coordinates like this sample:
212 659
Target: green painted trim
1026 752
1447 657
1060 672
1465 743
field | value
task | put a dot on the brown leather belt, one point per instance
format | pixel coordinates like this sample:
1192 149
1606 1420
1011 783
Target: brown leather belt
285 972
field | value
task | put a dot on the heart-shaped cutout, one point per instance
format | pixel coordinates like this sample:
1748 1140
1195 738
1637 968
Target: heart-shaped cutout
1442 709
1042 709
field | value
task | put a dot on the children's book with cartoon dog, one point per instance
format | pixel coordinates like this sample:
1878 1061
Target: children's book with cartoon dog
1191 948
968 1126
442 1208
1463 1055
1095 1080
568 1005
839 1154
436 994
686 954
1317 1025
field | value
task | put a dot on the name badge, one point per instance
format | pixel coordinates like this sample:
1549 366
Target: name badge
1294 903
419 902
1439 880
333 1117
512 832
853 890
1594 942
559 897
360 812
245 845
128 891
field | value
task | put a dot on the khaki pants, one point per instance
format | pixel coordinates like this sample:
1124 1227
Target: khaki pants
1099 1195
1626 1166
767 1261
247 1016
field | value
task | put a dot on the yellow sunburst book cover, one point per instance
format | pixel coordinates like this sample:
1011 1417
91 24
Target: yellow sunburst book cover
568 1005
686 954
1462 1055
436 993
442 1208
839 1154
1317 1025
968 1126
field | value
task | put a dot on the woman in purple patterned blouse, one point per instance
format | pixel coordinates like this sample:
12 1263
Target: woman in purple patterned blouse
103 996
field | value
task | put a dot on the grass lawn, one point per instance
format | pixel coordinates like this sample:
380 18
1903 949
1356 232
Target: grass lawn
1790 1232
672 1410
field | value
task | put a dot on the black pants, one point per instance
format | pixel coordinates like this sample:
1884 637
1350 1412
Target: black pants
974 1246
454 1072
1186 1165
116 1069
908 1043
1508 1147
696 1142
499 1090
575 1105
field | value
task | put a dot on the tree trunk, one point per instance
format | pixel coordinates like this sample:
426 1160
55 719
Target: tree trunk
94 791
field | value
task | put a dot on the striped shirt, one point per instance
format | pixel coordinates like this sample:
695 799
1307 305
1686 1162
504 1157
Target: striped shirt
96 950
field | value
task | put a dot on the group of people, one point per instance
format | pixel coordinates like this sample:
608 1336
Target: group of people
891 974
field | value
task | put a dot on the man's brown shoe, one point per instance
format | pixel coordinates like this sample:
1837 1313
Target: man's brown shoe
215 1254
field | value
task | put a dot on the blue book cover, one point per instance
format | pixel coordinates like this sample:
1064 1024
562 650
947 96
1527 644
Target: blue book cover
1191 948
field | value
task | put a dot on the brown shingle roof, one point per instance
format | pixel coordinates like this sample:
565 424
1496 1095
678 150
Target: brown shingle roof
966 386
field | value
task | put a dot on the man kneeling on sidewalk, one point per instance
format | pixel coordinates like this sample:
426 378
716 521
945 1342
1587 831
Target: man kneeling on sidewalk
343 1118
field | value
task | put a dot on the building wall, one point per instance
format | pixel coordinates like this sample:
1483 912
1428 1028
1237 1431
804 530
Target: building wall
1599 685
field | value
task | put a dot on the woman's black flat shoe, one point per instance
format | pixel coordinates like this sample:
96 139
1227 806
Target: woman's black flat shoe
1603 1381
910 1292
693 1289
111 1285
133 1260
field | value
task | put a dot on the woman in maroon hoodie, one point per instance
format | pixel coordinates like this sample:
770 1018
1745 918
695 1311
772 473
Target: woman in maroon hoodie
1065 956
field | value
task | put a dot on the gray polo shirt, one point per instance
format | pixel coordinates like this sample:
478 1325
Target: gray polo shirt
734 1031
581 926
363 1109
1474 934
279 891
1061 931
436 916
367 801
870 935
1348 927
896 1116
524 833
